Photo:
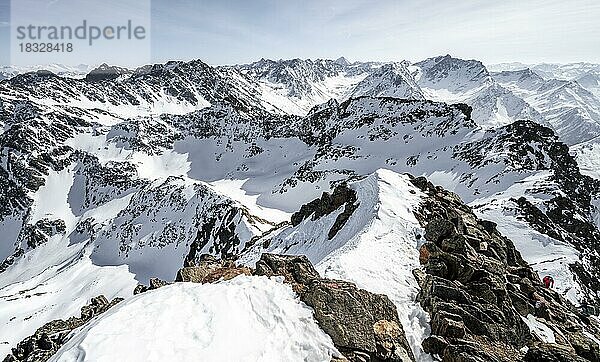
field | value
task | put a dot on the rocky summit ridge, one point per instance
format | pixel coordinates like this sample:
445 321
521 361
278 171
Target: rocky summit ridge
283 189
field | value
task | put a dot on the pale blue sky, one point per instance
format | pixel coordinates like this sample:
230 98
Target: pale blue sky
235 31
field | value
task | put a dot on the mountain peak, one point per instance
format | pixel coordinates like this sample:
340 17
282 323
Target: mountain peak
105 72
342 61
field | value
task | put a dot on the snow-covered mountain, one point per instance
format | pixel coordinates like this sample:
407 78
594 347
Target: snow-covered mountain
572 110
591 81
447 79
123 176
568 71
79 71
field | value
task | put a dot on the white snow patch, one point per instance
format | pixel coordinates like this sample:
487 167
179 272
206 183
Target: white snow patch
234 189
50 201
588 158
376 248
539 329
382 256
98 145
169 163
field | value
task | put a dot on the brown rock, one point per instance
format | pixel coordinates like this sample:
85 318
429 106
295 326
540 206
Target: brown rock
363 326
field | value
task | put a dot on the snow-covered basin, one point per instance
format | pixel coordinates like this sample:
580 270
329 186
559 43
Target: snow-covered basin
243 319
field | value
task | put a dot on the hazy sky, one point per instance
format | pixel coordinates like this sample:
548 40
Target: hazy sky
234 31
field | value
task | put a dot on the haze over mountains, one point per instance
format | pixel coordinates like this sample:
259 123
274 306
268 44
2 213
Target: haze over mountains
117 176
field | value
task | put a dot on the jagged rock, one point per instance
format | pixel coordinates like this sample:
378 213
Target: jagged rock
46 341
296 269
477 295
210 270
363 326
328 203
551 353
155 283
41 231
438 230
106 72
448 325
387 335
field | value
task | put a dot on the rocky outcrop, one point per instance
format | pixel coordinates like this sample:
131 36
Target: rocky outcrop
209 270
155 283
328 203
106 72
46 341
363 326
565 214
549 353
479 292
41 231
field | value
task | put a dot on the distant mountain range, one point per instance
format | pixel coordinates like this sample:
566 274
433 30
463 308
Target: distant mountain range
448 186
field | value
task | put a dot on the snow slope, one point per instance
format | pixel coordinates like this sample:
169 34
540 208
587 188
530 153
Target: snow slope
52 282
376 248
243 319
179 156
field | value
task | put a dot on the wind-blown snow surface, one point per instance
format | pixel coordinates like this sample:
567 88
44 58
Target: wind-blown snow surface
243 319
539 329
376 248
54 280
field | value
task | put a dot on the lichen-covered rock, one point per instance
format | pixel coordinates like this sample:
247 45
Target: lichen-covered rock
363 326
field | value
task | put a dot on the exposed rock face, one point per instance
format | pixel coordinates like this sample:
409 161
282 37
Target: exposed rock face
364 326
155 283
46 341
566 214
106 72
41 231
551 353
478 290
210 270
328 203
